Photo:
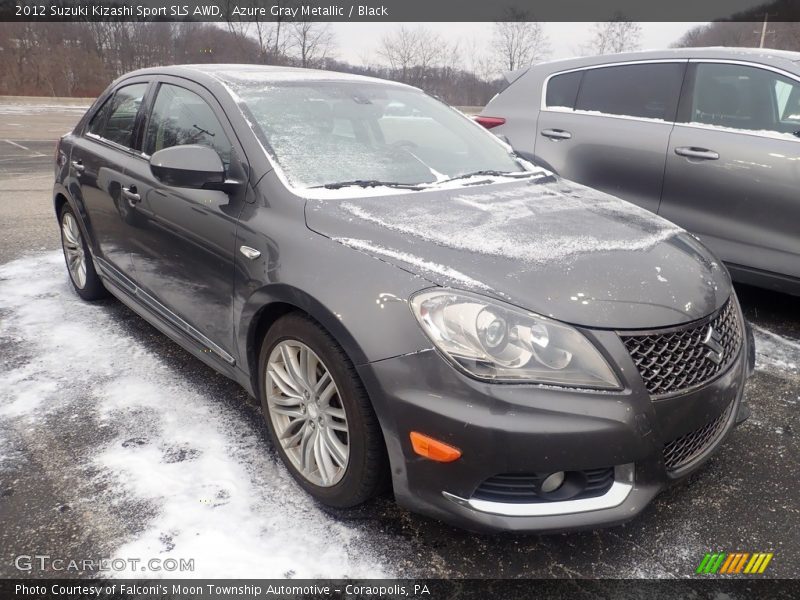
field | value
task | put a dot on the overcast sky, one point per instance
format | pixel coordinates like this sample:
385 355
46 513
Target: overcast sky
357 42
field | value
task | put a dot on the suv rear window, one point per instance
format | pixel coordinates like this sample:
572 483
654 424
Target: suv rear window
562 90
645 90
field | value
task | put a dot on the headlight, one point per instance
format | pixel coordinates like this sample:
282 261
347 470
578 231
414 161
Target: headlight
495 341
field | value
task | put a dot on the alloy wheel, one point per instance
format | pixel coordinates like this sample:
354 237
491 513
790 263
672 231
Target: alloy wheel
307 413
72 242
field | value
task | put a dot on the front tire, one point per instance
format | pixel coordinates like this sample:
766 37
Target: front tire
80 266
318 413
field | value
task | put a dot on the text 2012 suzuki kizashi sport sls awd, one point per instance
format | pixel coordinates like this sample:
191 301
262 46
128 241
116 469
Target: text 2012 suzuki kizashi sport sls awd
414 304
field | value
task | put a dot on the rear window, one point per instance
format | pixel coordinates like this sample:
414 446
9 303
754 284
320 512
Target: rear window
648 91
562 90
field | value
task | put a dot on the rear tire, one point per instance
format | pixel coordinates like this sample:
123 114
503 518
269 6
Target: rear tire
80 265
319 416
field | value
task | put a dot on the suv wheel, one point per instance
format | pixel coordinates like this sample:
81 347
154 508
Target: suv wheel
82 274
319 416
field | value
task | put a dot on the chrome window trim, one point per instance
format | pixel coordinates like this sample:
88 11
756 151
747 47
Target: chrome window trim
616 495
754 133
114 145
610 116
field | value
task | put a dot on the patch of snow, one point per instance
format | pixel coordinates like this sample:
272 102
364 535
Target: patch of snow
221 496
776 351
424 265
255 75
597 113
25 109
377 191
759 132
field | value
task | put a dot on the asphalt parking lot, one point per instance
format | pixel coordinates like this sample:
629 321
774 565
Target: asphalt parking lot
114 442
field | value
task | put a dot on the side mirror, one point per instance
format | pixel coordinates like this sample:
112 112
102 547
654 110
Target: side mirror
191 166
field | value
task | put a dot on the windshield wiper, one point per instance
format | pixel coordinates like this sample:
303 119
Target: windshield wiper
365 183
491 173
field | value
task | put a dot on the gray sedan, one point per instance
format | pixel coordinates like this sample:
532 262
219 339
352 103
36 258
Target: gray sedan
707 138
413 304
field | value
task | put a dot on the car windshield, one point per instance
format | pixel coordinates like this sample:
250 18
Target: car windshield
332 133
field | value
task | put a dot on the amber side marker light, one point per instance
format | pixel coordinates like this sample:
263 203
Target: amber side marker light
433 449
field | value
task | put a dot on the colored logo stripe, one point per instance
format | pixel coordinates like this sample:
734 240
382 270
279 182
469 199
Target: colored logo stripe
734 563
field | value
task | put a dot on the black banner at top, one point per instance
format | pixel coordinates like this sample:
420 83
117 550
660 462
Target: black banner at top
399 10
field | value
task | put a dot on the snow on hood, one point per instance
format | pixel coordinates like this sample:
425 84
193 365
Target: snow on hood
549 245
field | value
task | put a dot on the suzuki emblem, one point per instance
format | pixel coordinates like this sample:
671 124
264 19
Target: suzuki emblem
715 349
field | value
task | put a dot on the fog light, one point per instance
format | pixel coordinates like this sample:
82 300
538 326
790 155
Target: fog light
552 482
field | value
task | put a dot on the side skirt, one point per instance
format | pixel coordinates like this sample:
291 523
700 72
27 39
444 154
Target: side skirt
163 319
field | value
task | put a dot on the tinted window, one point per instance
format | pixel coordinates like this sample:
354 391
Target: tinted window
744 97
648 90
99 119
116 119
562 90
182 117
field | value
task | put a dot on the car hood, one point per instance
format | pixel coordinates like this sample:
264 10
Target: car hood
544 244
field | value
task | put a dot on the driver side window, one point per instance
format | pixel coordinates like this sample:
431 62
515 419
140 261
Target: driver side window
181 117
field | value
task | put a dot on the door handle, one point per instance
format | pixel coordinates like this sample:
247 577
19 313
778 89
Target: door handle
694 152
78 166
131 195
556 134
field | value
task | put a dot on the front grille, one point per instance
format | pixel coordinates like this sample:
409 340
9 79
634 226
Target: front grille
686 448
524 488
675 360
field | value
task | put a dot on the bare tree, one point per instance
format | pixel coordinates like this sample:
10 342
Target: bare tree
519 42
478 61
312 42
411 54
741 34
614 36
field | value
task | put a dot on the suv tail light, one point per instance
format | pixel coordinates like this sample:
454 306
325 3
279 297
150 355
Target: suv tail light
489 122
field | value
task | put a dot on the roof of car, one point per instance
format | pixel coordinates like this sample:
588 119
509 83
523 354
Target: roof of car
241 73
763 55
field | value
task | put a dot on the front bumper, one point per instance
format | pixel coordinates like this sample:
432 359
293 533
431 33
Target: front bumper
528 428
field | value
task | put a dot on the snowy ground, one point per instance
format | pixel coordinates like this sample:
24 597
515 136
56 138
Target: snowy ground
213 488
114 442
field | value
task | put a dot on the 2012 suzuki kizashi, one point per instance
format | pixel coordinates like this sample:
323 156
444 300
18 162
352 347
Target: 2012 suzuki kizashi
411 301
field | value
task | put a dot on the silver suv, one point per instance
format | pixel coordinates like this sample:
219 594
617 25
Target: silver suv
705 137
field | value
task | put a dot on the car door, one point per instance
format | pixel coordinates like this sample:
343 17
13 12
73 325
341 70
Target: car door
733 167
608 127
183 246
97 161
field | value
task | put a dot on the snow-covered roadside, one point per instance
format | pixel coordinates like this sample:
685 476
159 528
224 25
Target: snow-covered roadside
220 495
27 109
776 351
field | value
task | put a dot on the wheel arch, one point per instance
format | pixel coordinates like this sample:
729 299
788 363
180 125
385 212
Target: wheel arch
59 201
271 303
